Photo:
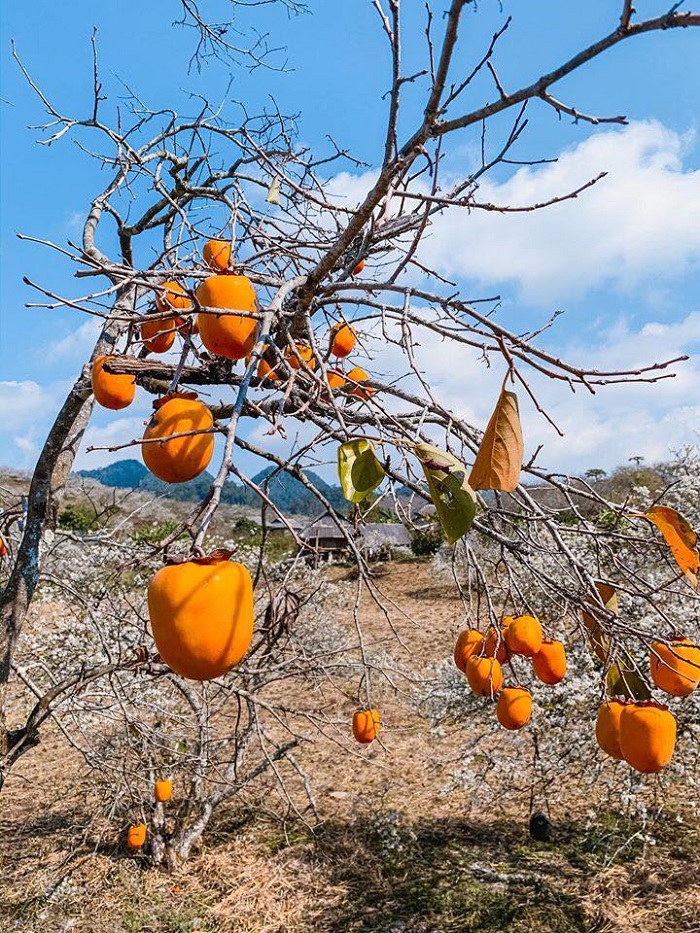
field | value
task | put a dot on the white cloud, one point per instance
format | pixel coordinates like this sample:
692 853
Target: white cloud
639 223
116 432
79 343
601 430
23 402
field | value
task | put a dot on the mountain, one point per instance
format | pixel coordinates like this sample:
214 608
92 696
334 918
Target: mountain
288 493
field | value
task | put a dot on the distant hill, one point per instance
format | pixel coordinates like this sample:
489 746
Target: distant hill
288 493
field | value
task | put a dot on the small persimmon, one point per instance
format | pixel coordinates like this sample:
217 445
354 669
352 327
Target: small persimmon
549 664
607 728
357 374
485 675
524 636
303 350
217 255
111 390
647 736
514 707
172 458
342 340
163 790
336 380
469 642
229 335
136 835
365 725
675 668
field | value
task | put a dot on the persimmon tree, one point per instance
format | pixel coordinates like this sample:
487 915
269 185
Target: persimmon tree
226 203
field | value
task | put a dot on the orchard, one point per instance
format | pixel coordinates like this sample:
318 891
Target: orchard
253 307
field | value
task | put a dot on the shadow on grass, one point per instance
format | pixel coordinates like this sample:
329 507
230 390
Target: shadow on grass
450 875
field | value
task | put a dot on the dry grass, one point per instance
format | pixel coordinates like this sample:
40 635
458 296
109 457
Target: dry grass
392 852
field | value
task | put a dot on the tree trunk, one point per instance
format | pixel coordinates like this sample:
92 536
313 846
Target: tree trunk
48 483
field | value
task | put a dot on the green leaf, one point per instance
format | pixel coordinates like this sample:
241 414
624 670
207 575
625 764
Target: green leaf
621 680
359 469
453 497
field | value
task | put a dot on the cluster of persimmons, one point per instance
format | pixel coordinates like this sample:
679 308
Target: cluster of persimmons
640 732
482 657
178 445
643 733
178 442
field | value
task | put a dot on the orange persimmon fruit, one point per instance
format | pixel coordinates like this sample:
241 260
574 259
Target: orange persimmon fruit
229 335
111 390
201 613
178 459
365 725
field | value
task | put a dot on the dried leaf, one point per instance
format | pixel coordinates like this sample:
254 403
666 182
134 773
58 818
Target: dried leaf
597 637
680 538
359 470
621 680
273 192
453 497
500 457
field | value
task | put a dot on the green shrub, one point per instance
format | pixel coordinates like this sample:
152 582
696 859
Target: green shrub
426 543
155 532
79 518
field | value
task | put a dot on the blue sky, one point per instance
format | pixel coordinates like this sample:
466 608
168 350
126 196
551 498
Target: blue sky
622 261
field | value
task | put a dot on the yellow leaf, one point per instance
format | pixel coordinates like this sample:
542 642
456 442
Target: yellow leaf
621 680
680 538
599 640
500 457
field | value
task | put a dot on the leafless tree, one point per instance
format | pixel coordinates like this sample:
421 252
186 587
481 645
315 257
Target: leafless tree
174 181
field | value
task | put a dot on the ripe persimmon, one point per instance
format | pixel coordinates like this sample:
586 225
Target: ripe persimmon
485 675
303 350
342 340
357 374
217 255
524 636
229 335
365 725
178 459
136 835
201 614
514 707
549 664
336 380
111 390
607 728
172 297
265 371
495 645
159 335
647 736
469 642
163 790
675 668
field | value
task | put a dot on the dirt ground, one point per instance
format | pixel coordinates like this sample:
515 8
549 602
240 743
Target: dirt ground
391 851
